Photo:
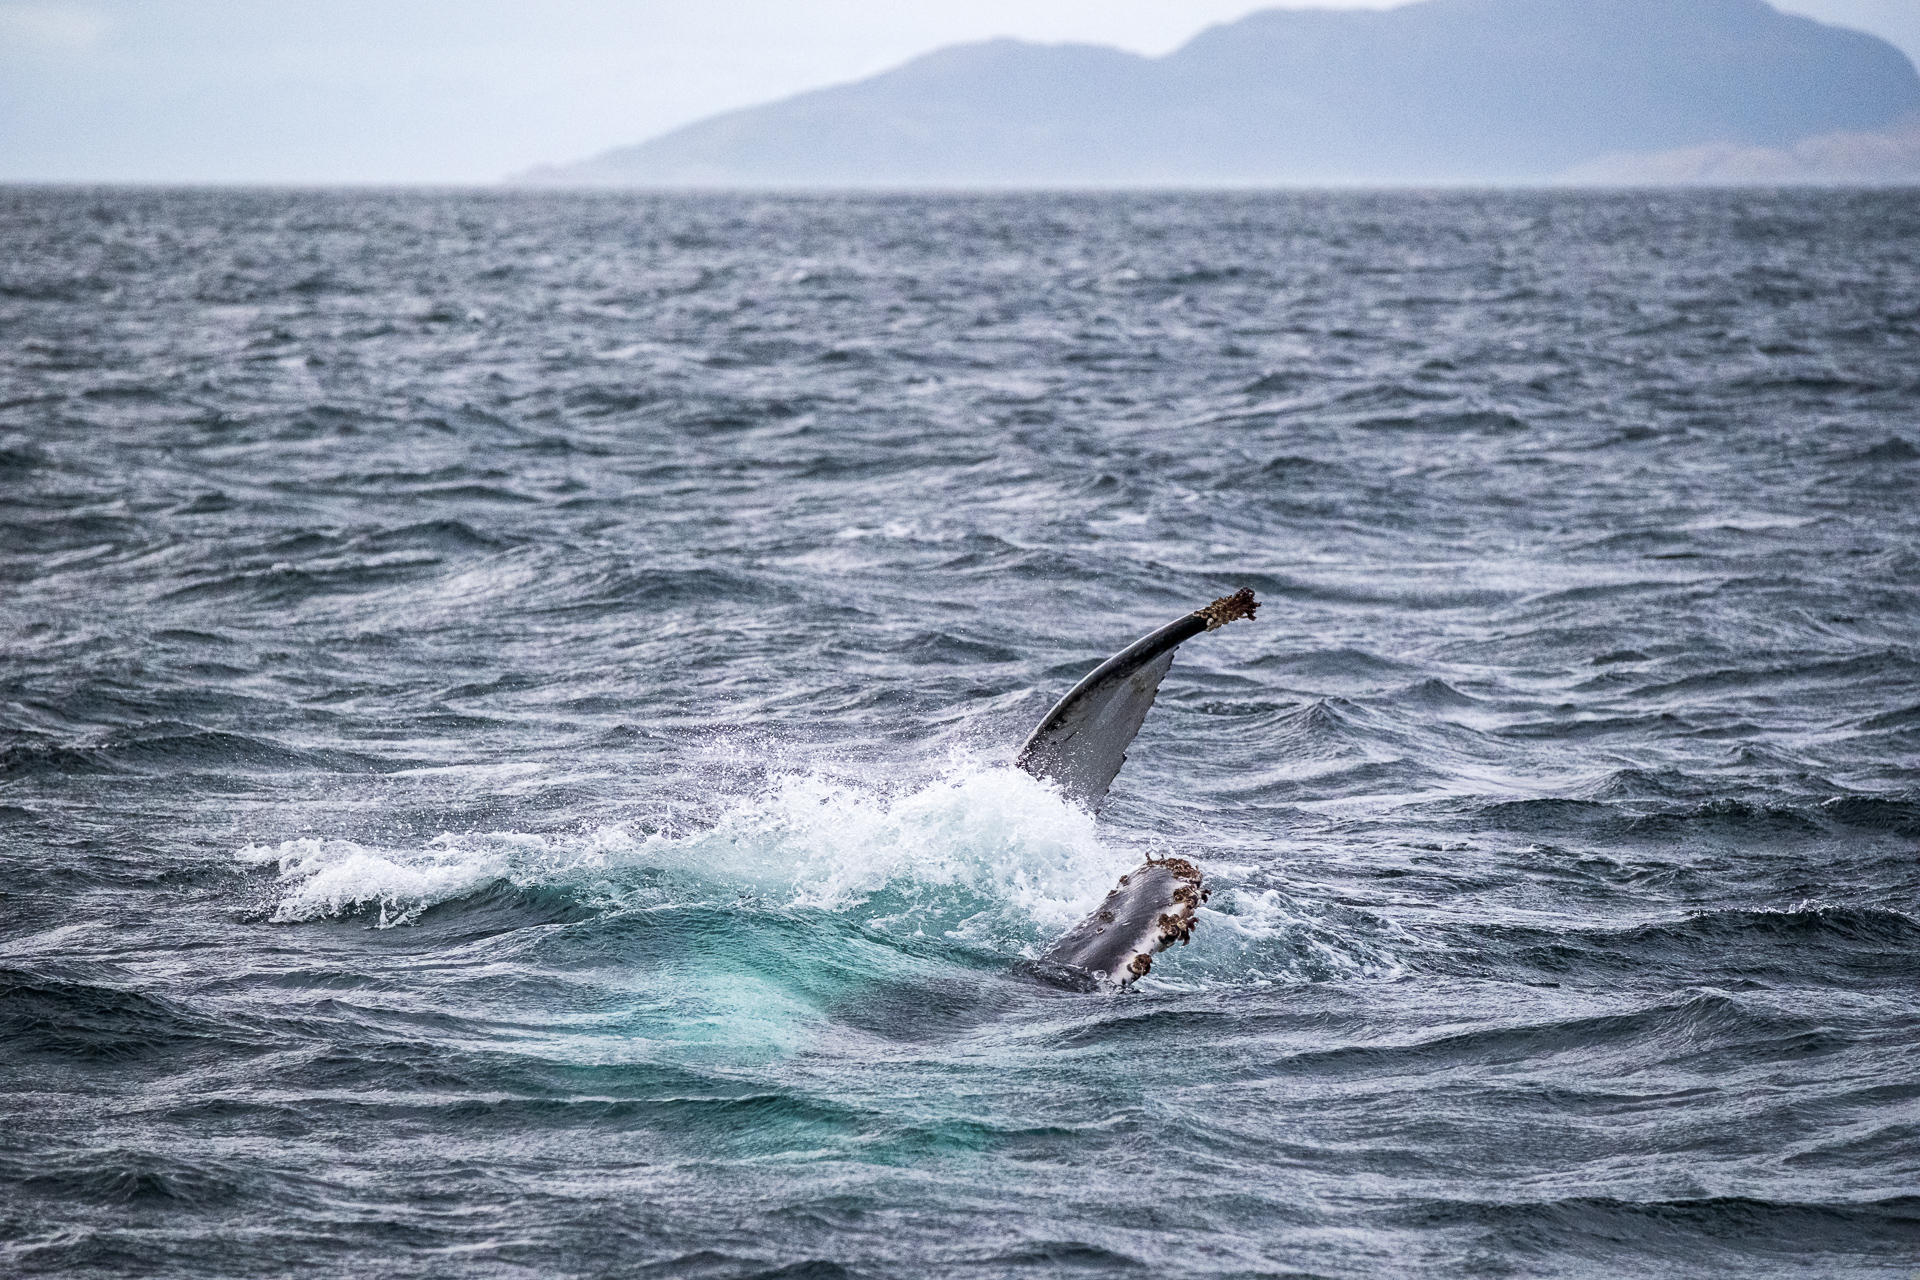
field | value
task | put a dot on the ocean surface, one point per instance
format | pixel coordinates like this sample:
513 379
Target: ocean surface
507 698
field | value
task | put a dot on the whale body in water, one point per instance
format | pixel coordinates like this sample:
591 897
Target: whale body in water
1079 747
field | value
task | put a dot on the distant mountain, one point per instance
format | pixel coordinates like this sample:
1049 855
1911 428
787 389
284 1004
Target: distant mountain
1443 91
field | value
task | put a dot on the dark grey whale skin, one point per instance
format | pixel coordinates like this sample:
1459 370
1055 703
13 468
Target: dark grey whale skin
1150 909
1079 747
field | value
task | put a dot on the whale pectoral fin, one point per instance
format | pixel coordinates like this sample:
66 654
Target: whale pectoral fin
1082 742
1082 746
1153 907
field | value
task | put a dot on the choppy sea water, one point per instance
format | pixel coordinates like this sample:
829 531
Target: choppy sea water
507 700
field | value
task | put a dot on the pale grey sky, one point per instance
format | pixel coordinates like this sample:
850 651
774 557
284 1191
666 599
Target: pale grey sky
470 90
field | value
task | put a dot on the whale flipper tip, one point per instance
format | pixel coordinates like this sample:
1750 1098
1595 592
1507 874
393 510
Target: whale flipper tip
1240 604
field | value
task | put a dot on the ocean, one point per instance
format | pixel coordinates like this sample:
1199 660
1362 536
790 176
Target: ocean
508 701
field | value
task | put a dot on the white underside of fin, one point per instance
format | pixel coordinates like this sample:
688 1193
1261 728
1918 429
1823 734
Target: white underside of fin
1086 744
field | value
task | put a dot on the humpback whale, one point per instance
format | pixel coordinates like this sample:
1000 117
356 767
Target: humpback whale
1079 747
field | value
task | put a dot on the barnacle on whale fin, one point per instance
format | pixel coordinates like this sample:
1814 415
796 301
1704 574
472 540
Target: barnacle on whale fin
1240 604
1181 868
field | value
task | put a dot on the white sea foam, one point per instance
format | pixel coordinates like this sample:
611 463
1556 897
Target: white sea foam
993 833
322 877
976 842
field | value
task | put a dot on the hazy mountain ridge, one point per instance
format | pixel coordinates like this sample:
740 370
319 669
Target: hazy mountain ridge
1440 91
1889 158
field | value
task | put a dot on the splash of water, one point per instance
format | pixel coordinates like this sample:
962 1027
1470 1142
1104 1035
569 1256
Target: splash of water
974 840
985 856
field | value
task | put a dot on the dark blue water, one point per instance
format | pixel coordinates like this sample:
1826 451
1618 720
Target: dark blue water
507 699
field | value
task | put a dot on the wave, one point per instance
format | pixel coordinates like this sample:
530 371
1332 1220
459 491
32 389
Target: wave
603 589
1580 730
1686 1236
1609 804
1892 449
75 1021
1694 1031
1646 784
1726 817
19 456
164 749
1547 813
1476 421
1436 694
1895 814
163 1181
1905 718
1891 667
1822 945
285 584
1337 668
